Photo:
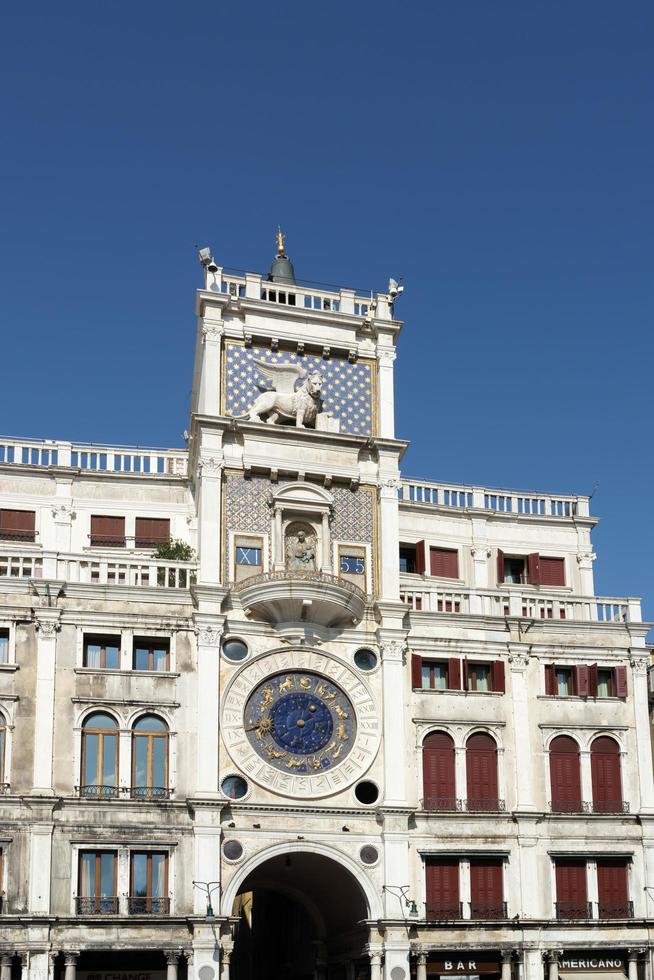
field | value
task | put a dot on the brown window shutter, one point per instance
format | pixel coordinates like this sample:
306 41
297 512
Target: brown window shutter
421 560
612 888
151 531
592 681
17 525
497 676
533 568
486 886
109 531
481 771
464 673
581 680
442 887
454 674
571 884
500 565
621 682
550 679
605 772
416 670
552 571
565 775
444 562
438 777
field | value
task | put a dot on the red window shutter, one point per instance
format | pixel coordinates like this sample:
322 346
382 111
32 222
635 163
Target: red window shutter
592 681
565 775
416 670
500 565
464 673
571 894
552 571
421 561
612 888
581 680
108 531
621 682
481 772
17 525
442 887
533 568
497 676
550 679
438 777
444 562
151 531
605 775
454 674
486 886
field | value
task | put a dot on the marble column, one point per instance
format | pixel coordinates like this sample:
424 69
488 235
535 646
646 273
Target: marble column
172 959
632 965
70 960
507 958
5 966
421 967
375 966
226 956
553 965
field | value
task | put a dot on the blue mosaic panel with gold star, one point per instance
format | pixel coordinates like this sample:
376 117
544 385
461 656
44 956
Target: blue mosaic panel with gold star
346 392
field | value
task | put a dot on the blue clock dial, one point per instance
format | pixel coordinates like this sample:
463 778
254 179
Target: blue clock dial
300 722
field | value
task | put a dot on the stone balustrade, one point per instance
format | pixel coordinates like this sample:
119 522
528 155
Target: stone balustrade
90 457
98 569
500 501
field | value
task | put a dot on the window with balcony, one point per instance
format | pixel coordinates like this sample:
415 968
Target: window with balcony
17 525
99 776
107 532
565 775
151 654
613 889
571 889
148 892
438 772
150 532
481 773
606 775
150 759
4 646
442 889
102 652
97 884
487 888
407 558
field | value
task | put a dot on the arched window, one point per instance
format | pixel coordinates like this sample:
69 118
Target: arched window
439 791
3 747
150 759
99 757
565 775
481 772
606 776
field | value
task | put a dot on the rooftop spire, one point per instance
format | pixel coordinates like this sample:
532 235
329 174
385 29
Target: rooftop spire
281 269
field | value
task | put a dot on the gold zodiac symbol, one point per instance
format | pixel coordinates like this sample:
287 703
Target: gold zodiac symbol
339 711
294 763
286 685
265 727
305 683
338 751
315 764
268 695
274 754
341 733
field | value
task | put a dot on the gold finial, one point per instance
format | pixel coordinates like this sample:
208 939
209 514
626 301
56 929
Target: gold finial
280 240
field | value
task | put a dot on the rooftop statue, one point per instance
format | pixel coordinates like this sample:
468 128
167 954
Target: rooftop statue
301 405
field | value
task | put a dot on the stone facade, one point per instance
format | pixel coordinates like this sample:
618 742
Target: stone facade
395 706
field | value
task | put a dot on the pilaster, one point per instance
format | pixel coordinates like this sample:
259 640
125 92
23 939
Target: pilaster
393 652
524 788
47 625
209 636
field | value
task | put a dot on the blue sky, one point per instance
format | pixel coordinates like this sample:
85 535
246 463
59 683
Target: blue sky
498 155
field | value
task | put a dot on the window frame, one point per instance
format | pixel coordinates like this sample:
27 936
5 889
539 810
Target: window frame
23 535
118 540
240 539
149 897
404 546
150 644
348 549
101 733
97 898
150 542
100 639
6 631
150 787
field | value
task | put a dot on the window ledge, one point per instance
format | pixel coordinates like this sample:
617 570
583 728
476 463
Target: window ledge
124 673
578 697
474 694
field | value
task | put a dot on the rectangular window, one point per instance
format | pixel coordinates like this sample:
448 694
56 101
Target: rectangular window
434 675
571 893
407 558
151 654
151 531
96 889
552 571
487 889
17 525
479 677
564 687
148 883
4 646
107 532
605 682
613 889
444 562
515 571
442 887
352 564
102 652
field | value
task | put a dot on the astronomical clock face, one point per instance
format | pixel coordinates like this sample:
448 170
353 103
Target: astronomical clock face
299 723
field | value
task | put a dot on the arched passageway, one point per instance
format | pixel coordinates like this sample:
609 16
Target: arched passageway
301 917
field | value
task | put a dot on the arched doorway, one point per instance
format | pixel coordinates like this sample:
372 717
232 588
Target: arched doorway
301 916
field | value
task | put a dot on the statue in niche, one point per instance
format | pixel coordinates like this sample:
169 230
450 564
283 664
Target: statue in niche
300 547
300 405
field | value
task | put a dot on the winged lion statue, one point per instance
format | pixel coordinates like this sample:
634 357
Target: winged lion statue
283 400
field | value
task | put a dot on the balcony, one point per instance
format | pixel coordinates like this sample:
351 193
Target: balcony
615 910
454 496
496 911
137 461
97 906
150 794
147 905
98 792
573 910
580 807
448 804
297 596
143 794
104 570
422 595
444 913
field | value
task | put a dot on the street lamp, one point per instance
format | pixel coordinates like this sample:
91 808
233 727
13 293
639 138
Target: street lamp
208 887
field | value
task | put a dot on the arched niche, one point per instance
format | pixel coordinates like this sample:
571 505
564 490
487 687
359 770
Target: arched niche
301 535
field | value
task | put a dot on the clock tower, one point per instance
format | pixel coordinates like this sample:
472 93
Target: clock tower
301 685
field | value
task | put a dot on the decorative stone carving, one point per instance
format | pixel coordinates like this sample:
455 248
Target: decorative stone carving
519 660
585 559
209 636
301 405
63 512
211 463
393 650
47 627
210 332
639 665
300 547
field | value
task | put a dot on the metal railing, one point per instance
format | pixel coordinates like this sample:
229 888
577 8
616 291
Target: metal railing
145 794
444 804
150 793
98 792
142 905
484 806
107 905
444 913
615 910
586 807
573 910
497 910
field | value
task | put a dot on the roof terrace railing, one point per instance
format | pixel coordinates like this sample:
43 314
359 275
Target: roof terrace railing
91 457
500 501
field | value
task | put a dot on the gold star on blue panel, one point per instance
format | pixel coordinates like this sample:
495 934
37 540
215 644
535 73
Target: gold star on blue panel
346 392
